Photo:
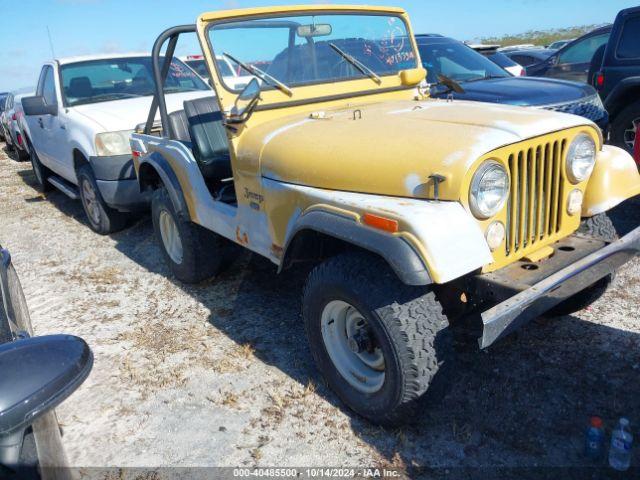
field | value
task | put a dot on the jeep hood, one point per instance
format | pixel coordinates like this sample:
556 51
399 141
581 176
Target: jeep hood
125 114
392 148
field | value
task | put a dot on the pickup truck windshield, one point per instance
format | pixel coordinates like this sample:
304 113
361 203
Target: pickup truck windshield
119 78
297 50
457 62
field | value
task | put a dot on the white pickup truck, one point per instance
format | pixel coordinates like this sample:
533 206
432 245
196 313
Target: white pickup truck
78 125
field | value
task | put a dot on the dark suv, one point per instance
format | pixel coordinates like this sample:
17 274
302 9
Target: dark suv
616 75
572 61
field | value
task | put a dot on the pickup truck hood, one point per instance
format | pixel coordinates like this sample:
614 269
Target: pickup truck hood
125 114
391 148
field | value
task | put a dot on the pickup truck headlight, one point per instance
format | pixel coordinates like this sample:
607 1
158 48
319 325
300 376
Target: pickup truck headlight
113 143
581 158
489 189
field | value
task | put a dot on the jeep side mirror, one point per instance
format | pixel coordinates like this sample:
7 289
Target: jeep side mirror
245 103
38 373
38 106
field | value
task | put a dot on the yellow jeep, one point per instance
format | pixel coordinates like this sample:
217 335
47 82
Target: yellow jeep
419 213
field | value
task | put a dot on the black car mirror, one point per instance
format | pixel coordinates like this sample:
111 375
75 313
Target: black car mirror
39 373
38 106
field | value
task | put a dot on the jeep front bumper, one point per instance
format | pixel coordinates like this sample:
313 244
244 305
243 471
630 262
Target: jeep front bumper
525 300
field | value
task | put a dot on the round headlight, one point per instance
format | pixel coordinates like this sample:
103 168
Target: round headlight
495 235
581 158
489 189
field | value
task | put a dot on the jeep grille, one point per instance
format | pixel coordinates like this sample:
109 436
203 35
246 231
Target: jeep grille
535 206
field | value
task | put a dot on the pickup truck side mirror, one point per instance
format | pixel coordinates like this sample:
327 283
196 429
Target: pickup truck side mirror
38 374
38 106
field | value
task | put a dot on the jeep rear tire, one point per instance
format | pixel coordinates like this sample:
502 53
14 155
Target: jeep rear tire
599 227
102 218
379 344
193 253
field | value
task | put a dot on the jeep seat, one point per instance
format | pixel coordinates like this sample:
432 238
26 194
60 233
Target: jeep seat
208 135
180 127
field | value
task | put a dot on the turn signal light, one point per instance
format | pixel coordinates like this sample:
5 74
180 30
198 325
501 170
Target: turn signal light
380 223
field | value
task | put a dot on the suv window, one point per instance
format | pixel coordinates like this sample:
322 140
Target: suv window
49 87
583 50
629 46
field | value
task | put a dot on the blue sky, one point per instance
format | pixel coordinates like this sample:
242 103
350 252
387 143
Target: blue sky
91 26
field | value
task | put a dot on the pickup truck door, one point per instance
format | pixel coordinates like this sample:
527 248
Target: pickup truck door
51 129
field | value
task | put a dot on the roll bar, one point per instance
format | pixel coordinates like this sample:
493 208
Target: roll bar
160 74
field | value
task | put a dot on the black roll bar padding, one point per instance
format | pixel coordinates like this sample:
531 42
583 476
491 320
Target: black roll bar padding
159 74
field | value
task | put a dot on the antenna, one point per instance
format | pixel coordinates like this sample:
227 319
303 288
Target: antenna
53 53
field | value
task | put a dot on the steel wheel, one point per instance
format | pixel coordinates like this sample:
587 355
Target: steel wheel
170 237
91 202
630 133
352 347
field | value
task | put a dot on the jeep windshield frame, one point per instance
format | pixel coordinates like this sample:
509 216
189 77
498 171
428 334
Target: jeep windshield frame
358 83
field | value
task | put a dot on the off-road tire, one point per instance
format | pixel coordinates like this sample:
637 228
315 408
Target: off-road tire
622 122
599 227
204 253
107 219
407 322
39 171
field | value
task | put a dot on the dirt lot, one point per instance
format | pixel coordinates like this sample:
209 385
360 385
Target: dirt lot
220 374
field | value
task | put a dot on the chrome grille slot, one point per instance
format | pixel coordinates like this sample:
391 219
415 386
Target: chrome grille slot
534 207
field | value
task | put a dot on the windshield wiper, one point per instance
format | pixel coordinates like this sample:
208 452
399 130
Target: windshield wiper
256 72
361 67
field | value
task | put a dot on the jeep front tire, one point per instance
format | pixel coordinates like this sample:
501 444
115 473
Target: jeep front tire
379 344
192 252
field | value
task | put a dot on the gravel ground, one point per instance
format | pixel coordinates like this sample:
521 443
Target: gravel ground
219 374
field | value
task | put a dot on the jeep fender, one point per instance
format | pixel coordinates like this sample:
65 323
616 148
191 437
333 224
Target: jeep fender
621 94
615 178
436 241
168 177
400 256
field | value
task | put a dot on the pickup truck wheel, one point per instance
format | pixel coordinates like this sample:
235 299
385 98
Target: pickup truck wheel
599 227
193 252
623 127
102 219
40 171
380 344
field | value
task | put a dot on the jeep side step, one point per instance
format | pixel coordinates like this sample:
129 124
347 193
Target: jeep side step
65 187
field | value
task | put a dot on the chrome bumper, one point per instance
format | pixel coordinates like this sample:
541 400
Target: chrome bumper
539 298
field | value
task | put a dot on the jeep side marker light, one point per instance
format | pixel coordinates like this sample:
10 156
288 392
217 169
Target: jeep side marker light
381 223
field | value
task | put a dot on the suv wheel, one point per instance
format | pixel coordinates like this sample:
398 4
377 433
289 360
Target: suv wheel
379 344
623 128
599 227
192 252
102 219
40 171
